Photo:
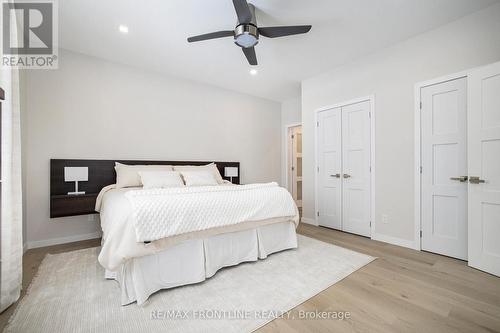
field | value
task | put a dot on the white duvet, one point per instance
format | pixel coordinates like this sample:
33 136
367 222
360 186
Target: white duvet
160 213
168 216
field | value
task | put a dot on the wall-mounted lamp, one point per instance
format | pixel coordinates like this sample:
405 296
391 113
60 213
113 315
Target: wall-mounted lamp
76 174
230 172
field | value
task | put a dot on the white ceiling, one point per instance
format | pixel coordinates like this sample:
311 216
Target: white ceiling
342 31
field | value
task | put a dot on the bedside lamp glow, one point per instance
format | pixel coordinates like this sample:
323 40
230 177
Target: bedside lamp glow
231 172
76 174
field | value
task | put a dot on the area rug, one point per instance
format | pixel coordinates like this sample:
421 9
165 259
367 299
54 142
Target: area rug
70 294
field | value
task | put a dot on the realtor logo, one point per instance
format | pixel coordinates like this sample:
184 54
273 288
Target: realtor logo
29 34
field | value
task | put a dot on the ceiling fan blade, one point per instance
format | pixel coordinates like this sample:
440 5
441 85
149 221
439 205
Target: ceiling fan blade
251 56
273 32
242 11
212 35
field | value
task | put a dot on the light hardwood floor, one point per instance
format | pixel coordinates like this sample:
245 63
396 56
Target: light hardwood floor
402 291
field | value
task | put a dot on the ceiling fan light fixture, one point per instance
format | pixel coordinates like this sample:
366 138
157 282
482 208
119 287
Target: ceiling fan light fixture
247 32
253 71
246 41
246 35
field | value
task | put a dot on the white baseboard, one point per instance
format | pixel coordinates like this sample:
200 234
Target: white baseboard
308 221
63 240
379 237
395 241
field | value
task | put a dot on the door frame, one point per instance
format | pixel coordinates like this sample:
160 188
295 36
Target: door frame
287 151
371 99
418 148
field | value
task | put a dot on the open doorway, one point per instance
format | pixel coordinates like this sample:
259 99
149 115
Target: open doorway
294 164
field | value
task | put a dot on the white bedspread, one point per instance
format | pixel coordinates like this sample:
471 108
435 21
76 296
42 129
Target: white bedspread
119 234
160 213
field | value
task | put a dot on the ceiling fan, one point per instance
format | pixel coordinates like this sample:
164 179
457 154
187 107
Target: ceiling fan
246 33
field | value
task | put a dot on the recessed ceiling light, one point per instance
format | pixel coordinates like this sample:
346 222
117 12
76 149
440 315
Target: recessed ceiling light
123 29
253 71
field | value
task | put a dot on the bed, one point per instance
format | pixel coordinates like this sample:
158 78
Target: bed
157 239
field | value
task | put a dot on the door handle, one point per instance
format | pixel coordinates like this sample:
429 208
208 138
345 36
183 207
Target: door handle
337 175
476 180
461 179
347 175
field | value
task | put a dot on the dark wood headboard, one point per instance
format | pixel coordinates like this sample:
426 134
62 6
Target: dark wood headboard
101 174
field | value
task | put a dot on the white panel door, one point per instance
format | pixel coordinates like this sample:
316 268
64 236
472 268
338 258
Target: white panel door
356 168
484 169
330 168
444 168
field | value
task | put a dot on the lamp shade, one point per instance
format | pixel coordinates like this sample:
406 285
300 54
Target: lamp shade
230 172
76 174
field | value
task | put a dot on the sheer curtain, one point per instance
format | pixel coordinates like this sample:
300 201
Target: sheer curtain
11 239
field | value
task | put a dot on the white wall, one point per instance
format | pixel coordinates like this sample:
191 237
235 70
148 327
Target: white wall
391 75
93 109
291 114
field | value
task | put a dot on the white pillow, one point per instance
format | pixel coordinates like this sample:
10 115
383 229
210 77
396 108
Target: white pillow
212 167
199 178
160 179
128 175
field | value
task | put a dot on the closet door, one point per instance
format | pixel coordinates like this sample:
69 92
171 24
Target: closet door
356 168
484 169
329 168
444 168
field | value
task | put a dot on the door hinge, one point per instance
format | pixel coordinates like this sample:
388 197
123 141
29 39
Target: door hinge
370 168
420 105
420 169
318 169
420 233
317 124
369 114
293 168
370 224
293 136
318 213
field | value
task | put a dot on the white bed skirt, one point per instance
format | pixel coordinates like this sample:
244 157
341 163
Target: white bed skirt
195 260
